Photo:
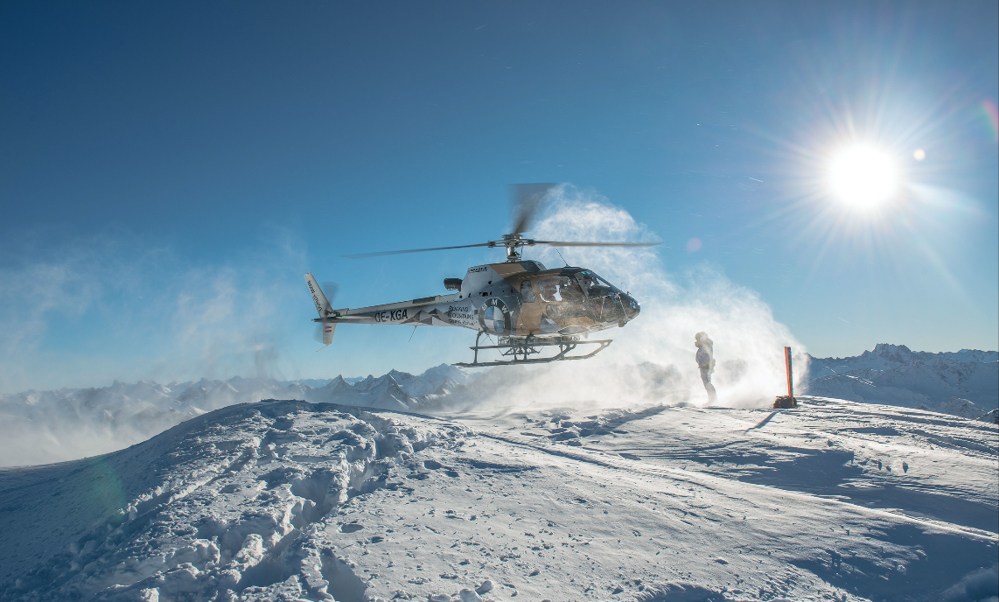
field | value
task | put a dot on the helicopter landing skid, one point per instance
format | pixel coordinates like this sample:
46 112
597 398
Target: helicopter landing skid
521 348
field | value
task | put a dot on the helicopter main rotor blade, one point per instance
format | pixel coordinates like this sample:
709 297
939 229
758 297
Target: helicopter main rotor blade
553 243
526 200
381 253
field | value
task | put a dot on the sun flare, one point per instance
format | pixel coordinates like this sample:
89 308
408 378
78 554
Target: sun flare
863 176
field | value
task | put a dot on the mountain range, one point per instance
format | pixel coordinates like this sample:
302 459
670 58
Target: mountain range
48 426
965 383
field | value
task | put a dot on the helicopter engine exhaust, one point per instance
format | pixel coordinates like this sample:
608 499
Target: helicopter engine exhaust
452 284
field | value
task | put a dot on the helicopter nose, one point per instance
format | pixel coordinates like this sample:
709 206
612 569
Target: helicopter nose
631 307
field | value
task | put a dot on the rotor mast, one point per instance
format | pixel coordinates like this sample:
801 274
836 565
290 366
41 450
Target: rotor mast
513 243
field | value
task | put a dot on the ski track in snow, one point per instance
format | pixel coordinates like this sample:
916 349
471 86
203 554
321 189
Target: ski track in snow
289 500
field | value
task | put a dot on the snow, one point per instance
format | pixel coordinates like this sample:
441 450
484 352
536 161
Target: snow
961 407
893 374
344 493
292 500
51 426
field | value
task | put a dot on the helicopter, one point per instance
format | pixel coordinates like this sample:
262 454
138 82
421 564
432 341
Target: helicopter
529 308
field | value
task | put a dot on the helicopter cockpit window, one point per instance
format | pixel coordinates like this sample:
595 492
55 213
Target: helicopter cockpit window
527 291
594 285
559 288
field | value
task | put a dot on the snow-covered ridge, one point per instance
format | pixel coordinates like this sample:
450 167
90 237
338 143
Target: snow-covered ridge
49 426
293 501
965 383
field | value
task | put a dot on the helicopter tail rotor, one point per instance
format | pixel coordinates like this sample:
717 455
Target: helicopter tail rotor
325 326
324 333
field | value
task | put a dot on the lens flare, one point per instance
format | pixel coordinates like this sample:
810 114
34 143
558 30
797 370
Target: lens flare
863 176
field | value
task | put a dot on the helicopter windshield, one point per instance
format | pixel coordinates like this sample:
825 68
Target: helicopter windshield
594 285
559 288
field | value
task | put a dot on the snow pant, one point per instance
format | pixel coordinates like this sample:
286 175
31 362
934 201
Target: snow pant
706 379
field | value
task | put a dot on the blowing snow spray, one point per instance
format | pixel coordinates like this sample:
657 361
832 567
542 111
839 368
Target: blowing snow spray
787 401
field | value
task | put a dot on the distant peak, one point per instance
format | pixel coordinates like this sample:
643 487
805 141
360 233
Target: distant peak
446 369
887 349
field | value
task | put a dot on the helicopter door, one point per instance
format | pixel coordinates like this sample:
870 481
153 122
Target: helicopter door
526 292
530 310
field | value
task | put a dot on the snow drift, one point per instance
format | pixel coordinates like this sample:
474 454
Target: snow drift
291 500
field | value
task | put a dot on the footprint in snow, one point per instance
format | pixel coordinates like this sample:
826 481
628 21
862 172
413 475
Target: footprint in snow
467 595
284 423
351 528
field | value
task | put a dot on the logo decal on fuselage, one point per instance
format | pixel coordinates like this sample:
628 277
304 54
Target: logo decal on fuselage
495 316
315 299
461 315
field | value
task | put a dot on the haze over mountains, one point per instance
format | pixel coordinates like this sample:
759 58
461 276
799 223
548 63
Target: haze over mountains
446 487
48 426
51 426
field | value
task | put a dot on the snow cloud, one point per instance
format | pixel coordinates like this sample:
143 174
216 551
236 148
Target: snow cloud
90 310
653 356
108 308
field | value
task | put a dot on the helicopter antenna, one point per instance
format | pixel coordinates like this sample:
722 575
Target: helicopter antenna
414 332
563 258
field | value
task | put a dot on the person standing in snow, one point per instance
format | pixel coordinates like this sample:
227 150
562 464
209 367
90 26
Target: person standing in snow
706 363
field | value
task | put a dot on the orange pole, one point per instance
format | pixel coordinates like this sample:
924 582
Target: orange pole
787 364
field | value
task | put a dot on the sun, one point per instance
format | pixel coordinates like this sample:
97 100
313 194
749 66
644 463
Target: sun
863 176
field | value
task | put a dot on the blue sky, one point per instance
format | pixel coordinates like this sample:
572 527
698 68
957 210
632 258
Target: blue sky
169 171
